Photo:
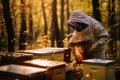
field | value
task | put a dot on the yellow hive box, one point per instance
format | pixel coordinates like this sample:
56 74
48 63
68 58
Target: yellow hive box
51 53
98 69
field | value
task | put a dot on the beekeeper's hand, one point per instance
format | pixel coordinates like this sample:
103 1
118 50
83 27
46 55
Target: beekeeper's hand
93 48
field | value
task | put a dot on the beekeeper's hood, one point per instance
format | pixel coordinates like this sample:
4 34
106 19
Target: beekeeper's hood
79 16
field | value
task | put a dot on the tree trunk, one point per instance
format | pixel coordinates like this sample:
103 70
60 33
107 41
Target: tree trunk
62 21
3 37
68 14
52 35
55 23
112 32
96 10
118 28
23 30
30 27
44 15
9 25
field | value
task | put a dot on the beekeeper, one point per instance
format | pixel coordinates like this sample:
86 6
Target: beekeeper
88 29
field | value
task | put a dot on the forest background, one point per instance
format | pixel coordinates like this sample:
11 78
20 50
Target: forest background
35 24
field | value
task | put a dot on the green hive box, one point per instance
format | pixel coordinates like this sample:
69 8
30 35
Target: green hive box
98 69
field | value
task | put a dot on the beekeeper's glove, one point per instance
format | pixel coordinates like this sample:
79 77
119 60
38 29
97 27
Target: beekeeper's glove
93 48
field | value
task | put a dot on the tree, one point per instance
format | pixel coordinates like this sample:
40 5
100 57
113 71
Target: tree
112 26
56 32
62 20
96 10
44 15
2 32
30 36
23 30
68 13
9 25
118 21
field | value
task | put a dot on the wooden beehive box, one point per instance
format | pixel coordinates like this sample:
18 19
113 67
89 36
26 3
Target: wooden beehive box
56 69
50 53
40 54
99 69
59 54
12 58
21 72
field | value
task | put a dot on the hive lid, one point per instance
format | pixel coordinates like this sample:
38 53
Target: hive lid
99 61
21 71
45 63
44 51
54 50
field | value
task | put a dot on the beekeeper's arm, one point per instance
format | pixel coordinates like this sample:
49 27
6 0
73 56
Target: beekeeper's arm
101 37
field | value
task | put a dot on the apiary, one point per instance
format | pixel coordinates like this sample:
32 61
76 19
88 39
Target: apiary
20 72
55 69
98 69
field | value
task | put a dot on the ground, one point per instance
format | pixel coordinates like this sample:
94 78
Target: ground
74 74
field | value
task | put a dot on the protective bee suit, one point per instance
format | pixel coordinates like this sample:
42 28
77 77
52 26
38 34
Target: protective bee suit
95 33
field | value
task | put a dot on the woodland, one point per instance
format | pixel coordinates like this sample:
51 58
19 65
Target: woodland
34 24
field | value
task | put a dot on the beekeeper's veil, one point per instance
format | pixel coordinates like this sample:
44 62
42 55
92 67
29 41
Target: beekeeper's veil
81 17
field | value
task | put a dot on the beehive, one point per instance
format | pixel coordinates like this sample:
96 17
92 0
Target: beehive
55 69
98 69
50 53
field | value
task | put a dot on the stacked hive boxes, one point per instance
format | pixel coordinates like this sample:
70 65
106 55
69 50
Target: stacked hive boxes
49 62
37 69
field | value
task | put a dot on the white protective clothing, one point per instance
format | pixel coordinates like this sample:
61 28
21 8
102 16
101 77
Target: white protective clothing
95 32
